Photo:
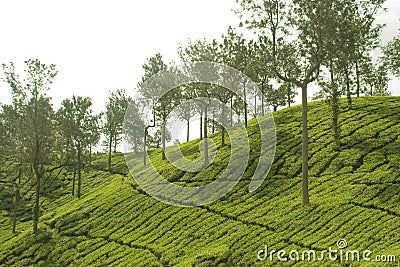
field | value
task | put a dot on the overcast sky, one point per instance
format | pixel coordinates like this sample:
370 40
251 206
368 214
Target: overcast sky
101 45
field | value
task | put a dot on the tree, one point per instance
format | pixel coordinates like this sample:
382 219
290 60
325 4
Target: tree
339 53
134 126
330 92
185 112
290 93
310 27
94 133
374 78
166 103
151 94
277 97
65 127
392 55
239 54
37 114
223 53
225 96
381 81
11 154
377 81
79 114
366 32
265 73
156 140
114 118
195 52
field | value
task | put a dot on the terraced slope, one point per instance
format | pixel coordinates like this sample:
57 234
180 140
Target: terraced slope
354 195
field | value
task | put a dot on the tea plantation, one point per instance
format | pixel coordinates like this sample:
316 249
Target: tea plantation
354 195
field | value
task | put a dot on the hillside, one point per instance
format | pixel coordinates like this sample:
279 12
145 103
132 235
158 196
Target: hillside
354 195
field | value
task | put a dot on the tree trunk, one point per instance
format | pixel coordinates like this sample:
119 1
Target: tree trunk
245 103
188 130
36 164
145 147
66 152
349 102
135 143
206 162
163 139
305 196
358 79
231 113
110 141
73 180
16 202
262 98
213 121
255 105
289 95
115 143
38 175
79 172
201 124
335 109
36 207
90 155
223 127
335 122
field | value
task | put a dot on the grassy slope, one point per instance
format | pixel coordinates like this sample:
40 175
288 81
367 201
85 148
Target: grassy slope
354 195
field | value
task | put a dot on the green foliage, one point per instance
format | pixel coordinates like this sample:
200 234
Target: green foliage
392 55
155 140
32 117
116 108
354 194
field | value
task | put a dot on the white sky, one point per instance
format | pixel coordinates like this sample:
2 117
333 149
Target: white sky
101 45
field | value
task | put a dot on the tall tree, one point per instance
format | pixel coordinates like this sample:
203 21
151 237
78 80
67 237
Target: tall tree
94 133
185 112
65 127
330 92
290 93
11 154
166 103
222 53
377 81
114 118
303 18
339 53
366 32
265 71
392 55
151 93
134 126
277 97
155 140
240 54
263 68
81 119
201 50
37 117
